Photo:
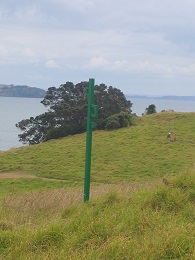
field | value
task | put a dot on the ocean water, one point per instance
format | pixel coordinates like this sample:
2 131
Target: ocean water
140 104
13 110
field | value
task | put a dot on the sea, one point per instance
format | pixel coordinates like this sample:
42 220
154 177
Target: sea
13 110
179 104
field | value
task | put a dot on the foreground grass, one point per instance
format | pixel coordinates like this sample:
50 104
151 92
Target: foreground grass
140 152
155 222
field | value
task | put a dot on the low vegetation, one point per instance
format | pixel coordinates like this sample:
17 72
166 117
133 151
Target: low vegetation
142 203
157 223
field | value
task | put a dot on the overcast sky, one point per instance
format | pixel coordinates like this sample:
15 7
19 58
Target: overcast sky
139 46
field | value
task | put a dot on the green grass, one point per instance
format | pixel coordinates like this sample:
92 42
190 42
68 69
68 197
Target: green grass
156 223
131 214
129 154
17 186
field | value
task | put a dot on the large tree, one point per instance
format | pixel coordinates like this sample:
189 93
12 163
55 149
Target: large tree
67 111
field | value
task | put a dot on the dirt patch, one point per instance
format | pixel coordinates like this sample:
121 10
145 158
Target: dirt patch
17 175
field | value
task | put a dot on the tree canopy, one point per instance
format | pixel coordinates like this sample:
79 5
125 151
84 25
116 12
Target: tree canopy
67 112
150 109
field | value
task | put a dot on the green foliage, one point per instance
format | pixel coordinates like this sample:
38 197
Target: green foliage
150 109
67 113
65 130
120 120
112 123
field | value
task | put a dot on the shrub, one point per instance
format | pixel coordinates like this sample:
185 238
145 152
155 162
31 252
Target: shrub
120 120
112 123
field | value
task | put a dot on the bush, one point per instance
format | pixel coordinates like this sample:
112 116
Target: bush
112 123
120 120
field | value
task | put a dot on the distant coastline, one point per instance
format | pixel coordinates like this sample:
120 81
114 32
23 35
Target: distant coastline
164 103
21 91
182 98
34 92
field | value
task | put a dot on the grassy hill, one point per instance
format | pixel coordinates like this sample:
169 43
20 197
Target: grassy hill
140 152
132 214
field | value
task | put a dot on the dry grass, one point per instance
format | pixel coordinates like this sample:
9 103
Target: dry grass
61 198
37 207
16 175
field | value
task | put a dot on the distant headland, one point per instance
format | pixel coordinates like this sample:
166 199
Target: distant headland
21 91
179 98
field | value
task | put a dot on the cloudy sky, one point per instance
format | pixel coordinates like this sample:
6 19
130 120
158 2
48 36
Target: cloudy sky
140 46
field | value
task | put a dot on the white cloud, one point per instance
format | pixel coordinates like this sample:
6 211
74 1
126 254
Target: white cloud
121 65
97 62
141 66
51 64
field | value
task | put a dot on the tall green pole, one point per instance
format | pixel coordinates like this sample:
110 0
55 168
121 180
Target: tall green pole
92 112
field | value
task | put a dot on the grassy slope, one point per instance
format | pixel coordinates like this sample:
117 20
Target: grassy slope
138 152
149 224
46 221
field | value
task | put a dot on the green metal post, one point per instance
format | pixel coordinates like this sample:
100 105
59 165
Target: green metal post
91 113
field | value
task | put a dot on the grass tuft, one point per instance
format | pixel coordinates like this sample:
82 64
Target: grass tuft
45 239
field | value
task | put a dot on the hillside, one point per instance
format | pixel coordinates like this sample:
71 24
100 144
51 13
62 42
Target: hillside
21 91
129 154
142 195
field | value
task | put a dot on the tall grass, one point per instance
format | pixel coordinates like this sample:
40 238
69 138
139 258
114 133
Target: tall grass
151 223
